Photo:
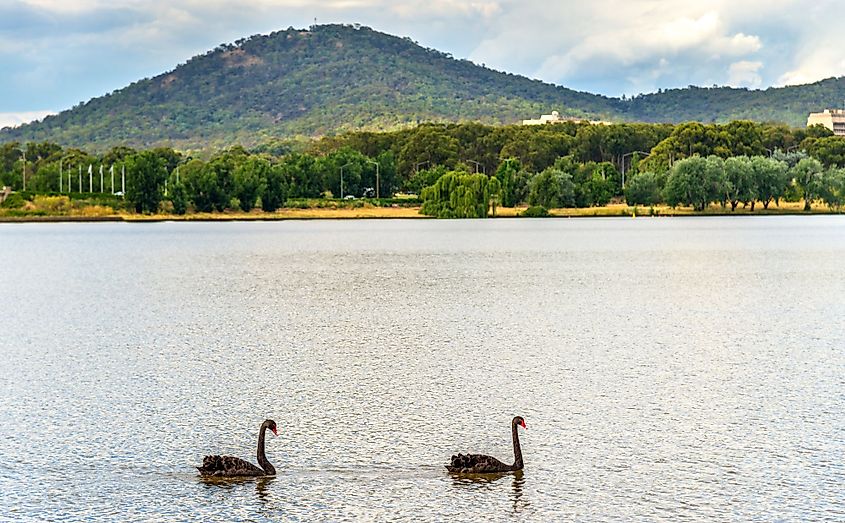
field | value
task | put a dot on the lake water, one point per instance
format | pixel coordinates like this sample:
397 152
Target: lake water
668 369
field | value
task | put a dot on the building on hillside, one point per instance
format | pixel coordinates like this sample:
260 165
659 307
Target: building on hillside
833 119
546 118
555 117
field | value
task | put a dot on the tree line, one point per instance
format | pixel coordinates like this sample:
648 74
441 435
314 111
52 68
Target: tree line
699 181
569 164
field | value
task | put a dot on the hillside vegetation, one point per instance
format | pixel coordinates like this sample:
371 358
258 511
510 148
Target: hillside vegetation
335 78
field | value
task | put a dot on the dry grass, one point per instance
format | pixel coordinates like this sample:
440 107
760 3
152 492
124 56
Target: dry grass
288 214
664 210
94 211
57 208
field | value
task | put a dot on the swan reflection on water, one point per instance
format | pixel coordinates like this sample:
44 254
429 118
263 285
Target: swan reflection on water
262 484
491 481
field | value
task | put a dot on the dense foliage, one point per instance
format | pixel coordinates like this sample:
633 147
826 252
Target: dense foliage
334 78
700 181
463 170
459 195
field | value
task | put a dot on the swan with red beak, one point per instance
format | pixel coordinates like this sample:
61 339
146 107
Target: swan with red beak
230 466
483 464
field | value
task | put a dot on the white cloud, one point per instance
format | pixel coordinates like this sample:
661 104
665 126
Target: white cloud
16 119
617 47
703 37
745 73
429 8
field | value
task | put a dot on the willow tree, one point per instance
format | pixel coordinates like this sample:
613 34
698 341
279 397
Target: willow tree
457 194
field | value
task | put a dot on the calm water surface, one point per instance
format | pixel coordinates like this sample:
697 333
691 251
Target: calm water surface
668 369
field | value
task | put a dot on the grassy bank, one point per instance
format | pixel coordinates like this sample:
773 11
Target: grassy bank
56 209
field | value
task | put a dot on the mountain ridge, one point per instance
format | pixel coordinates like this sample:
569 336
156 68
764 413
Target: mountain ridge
336 78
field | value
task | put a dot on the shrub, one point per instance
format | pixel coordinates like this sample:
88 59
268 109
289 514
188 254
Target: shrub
537 211
14 201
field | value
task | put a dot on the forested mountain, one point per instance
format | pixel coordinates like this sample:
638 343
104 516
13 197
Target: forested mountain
330 78
336 78
789 105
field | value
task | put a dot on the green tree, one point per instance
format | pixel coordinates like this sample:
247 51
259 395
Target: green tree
387 173
116 155
696 181
250 178
276 189
169 157
742 185
645 189
457 195
743 138
771 179
219 177
506 174
179 197
520 187
145 178
602 184
431 144
425 178
832 188
552 189
537 147
353 166
829 150
807 174
302 175
201 185
494 189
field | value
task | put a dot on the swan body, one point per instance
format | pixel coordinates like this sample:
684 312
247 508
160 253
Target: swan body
482 464
230 466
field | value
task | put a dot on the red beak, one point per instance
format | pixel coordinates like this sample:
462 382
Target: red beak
274 431
523 426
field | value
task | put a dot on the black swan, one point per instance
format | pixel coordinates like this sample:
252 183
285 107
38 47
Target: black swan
481 464
228 466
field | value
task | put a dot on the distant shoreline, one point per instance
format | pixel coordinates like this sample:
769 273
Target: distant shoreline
412 213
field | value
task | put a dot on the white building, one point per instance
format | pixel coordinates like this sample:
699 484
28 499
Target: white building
833 119
546 118
555 117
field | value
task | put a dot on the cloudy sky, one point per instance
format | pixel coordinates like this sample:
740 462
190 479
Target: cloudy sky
57 53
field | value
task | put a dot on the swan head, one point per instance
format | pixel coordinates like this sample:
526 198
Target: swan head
270 424
519 421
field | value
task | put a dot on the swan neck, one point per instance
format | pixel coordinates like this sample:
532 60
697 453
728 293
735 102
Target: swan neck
262 458
517 451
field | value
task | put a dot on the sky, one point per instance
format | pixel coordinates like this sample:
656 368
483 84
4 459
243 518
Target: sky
55 54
